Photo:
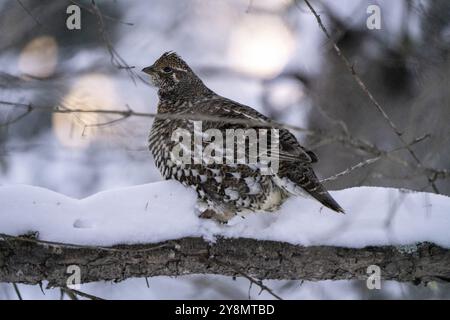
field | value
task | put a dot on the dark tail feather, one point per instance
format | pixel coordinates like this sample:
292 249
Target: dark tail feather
315 189
324 198
305 178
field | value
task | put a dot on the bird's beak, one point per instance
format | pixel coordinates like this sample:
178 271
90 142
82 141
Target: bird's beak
148 70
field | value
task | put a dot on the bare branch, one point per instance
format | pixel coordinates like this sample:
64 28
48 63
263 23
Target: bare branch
345 139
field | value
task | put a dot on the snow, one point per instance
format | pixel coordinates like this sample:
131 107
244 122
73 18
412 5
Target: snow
166 210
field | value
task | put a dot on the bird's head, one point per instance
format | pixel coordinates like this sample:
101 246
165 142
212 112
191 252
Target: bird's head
171 73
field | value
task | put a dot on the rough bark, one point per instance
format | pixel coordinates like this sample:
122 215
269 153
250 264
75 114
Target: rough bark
24 260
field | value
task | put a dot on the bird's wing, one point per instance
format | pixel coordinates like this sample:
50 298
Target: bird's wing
235 115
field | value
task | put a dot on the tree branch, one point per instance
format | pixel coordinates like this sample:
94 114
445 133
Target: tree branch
25 260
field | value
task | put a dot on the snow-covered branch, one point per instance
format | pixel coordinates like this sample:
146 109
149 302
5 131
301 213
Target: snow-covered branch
152 230
30 261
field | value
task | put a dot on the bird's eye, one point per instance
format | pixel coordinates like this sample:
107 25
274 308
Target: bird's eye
167 69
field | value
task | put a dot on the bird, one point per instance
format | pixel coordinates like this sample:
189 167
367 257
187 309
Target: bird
224 190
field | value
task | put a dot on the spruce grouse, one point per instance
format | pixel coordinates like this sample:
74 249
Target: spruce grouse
224 189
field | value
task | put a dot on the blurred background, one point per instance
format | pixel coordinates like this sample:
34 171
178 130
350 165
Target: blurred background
268 54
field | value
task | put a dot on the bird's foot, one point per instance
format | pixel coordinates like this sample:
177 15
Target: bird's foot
211 214
207 214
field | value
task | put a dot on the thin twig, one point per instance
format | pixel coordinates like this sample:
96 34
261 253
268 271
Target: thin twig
16 289
70 294
351 169
116 58
6 237
80 293
257 282
18 118
346 139
29 13
370 161
103 15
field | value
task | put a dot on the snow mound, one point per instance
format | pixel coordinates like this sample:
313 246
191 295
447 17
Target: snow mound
166 210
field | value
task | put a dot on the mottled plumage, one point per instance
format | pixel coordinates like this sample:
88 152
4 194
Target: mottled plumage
224 190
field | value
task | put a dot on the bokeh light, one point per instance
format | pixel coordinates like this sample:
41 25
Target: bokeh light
261 45
90 92
39 57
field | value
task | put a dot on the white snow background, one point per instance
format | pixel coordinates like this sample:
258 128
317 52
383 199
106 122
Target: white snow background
166 210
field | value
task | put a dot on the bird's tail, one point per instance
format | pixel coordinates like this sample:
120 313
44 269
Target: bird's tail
306 181
315 189
325 198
